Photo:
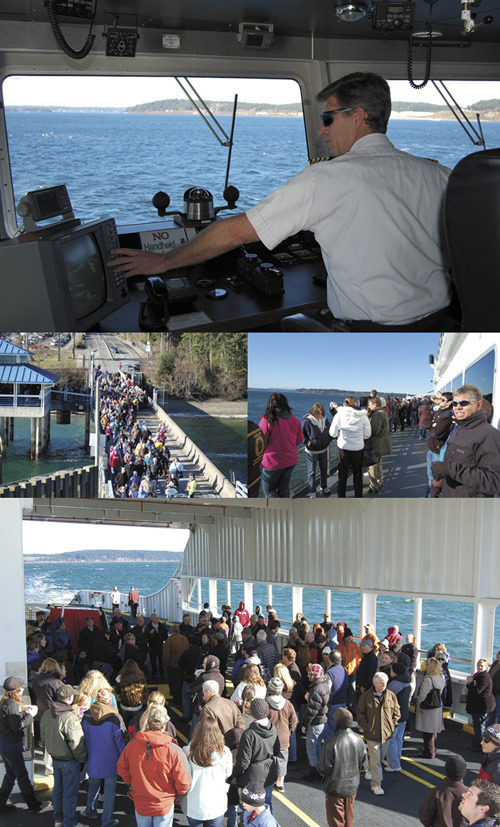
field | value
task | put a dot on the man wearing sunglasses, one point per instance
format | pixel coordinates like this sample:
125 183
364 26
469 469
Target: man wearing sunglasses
471 463
375 212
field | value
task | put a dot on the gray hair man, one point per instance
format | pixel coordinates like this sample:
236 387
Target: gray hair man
377 714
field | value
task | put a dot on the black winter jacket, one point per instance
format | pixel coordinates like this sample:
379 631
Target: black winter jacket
341 762
317 705
473 453
254 759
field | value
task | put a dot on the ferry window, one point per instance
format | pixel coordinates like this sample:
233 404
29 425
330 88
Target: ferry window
115 142
456 382
481 374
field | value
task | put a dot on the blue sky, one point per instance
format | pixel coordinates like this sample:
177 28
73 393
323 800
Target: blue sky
394 361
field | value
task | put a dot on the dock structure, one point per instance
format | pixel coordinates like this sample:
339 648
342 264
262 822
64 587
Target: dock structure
210 481
25 391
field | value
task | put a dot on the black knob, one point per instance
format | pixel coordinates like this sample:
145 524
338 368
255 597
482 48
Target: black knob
231 195
161 202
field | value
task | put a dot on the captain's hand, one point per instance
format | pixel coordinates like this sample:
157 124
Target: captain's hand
132 262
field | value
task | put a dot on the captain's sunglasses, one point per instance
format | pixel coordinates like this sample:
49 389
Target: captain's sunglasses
328 116
462 402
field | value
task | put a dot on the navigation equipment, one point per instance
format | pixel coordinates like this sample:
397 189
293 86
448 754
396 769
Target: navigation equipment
61 281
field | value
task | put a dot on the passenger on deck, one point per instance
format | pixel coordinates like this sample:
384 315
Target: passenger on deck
379 443
315 428
438 433
173 648
440 807
471 463
191 486
341 762
429 717
350 427
481 803
157 634
282 433
387 269
378 715
490 763
480 700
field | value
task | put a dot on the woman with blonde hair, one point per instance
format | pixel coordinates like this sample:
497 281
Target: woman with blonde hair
351 427
247 696
92 683
429 711
253 677
15 717
316 432
210 762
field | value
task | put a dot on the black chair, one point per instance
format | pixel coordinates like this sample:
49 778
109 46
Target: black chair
472 221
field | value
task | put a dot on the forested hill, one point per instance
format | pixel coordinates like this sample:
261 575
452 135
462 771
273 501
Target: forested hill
107 556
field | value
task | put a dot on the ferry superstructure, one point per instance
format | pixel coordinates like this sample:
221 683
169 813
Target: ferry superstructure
469 358
311 43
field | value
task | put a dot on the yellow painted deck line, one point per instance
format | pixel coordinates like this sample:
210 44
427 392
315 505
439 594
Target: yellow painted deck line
298 812
423 767
416 778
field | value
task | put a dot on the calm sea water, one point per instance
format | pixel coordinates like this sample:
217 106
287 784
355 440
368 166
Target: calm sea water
450 622
222 439
113 163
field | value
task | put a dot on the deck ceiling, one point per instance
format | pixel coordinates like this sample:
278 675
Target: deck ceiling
291 18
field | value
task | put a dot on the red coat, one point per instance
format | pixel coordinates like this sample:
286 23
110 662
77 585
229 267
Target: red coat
156 775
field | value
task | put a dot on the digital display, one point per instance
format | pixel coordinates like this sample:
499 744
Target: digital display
85 273
47 203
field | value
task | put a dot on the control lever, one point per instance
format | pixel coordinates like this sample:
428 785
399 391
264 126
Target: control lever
154 313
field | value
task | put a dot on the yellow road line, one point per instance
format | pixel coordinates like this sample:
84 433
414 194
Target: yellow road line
298 812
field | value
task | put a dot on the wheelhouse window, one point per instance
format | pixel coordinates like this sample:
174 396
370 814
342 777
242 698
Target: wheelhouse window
115 142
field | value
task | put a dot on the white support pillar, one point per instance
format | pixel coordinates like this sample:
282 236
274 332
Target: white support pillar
328 604
484 631
248 596
368 611
269 595
417 623
297 595
200 597
212 596
228 592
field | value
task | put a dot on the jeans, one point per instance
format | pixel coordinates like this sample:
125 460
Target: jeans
479 724
292 755
395 746
210 822
314 737
155 821
276 481
494 717
65 792
312 461
15 770
186 700
329 730
431 457
108 799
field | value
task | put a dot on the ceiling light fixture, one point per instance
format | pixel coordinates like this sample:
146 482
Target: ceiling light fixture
351 12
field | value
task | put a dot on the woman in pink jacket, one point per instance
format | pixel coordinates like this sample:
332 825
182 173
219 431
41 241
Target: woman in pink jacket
282 433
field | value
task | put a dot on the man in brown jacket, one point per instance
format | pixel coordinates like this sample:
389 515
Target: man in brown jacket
173 648
440 806
377 714
226 712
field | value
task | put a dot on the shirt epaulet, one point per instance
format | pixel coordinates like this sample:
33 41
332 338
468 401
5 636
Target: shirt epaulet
312 161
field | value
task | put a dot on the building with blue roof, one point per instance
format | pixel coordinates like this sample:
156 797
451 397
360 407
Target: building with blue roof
25 391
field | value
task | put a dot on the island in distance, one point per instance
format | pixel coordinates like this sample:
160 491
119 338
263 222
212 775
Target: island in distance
108 556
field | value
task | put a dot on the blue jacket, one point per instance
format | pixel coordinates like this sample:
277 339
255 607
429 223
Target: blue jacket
104 729
265 819
338 679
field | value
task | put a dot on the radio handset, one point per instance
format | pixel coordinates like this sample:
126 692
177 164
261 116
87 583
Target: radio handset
154 313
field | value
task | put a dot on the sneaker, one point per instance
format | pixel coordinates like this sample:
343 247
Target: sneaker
92 816
378 791
368 776
279 789
311 496
325 491
393 769
40 807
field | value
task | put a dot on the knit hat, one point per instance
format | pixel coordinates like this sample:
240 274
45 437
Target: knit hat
347 632
259 708
398 668
342 718
455 767
275 686
315 671
253 794
492 733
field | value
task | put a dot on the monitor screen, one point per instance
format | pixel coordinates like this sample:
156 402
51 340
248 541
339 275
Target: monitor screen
85 273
